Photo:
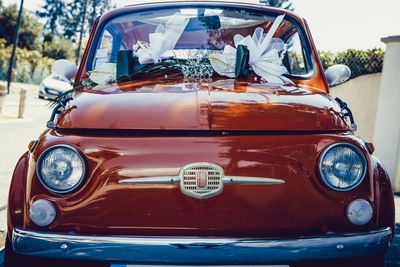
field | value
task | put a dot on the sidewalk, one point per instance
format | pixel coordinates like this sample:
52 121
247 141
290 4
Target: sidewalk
15 135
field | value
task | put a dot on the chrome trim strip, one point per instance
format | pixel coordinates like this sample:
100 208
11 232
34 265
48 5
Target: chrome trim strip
152 180
201 250
251 180
149 172
140 265
226 180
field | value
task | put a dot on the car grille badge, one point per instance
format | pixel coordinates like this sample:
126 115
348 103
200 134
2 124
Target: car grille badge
201 180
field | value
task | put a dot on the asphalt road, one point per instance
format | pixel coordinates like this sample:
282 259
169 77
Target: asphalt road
15 135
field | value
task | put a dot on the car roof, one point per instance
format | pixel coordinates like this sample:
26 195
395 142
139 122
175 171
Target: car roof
178 4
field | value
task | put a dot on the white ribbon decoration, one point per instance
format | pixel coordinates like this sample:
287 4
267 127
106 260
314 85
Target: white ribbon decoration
161 41
264 58
104 73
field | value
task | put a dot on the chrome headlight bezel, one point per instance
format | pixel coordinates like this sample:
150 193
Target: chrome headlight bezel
358 181
42 180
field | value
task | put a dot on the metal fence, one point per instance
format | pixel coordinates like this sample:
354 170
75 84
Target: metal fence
360 62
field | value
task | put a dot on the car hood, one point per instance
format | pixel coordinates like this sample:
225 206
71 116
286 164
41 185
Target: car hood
218 105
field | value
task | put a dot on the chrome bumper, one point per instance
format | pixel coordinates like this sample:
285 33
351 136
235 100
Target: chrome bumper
205 251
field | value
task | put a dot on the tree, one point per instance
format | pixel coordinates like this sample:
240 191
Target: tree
53 11
30 29
80 17
72 20
286 4
58 48
96 8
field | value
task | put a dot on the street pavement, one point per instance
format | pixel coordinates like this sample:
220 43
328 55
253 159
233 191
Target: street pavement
15 135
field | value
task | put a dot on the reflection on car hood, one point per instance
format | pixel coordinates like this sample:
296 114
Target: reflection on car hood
219 105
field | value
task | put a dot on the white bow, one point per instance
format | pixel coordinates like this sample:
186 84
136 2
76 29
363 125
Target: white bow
264 58
161 41
104 73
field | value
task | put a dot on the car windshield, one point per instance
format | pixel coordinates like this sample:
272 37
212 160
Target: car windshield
200 43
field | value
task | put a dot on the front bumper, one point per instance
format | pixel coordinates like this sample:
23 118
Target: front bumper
204 251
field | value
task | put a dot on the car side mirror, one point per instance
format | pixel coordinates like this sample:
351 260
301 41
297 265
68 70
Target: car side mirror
64 68
337 74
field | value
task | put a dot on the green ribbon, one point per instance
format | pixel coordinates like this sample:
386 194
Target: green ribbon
128 64
242 62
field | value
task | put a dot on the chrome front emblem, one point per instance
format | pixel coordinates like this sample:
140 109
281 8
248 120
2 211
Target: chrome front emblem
201 179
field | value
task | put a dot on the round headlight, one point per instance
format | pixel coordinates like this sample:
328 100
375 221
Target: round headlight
61 169
342 166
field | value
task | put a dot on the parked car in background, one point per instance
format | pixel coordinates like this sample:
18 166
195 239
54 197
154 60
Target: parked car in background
53 86
200 134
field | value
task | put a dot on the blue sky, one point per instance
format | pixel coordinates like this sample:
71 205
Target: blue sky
336 25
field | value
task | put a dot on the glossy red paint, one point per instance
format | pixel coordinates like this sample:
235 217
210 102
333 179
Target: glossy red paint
220 105
103 206
17 194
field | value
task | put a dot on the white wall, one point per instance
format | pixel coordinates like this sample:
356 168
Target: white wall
387 127
375 102
361 95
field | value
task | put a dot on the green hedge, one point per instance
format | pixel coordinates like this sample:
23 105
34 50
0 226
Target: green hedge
360 62
30 67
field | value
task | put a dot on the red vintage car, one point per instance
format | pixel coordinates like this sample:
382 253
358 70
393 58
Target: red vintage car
199 134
